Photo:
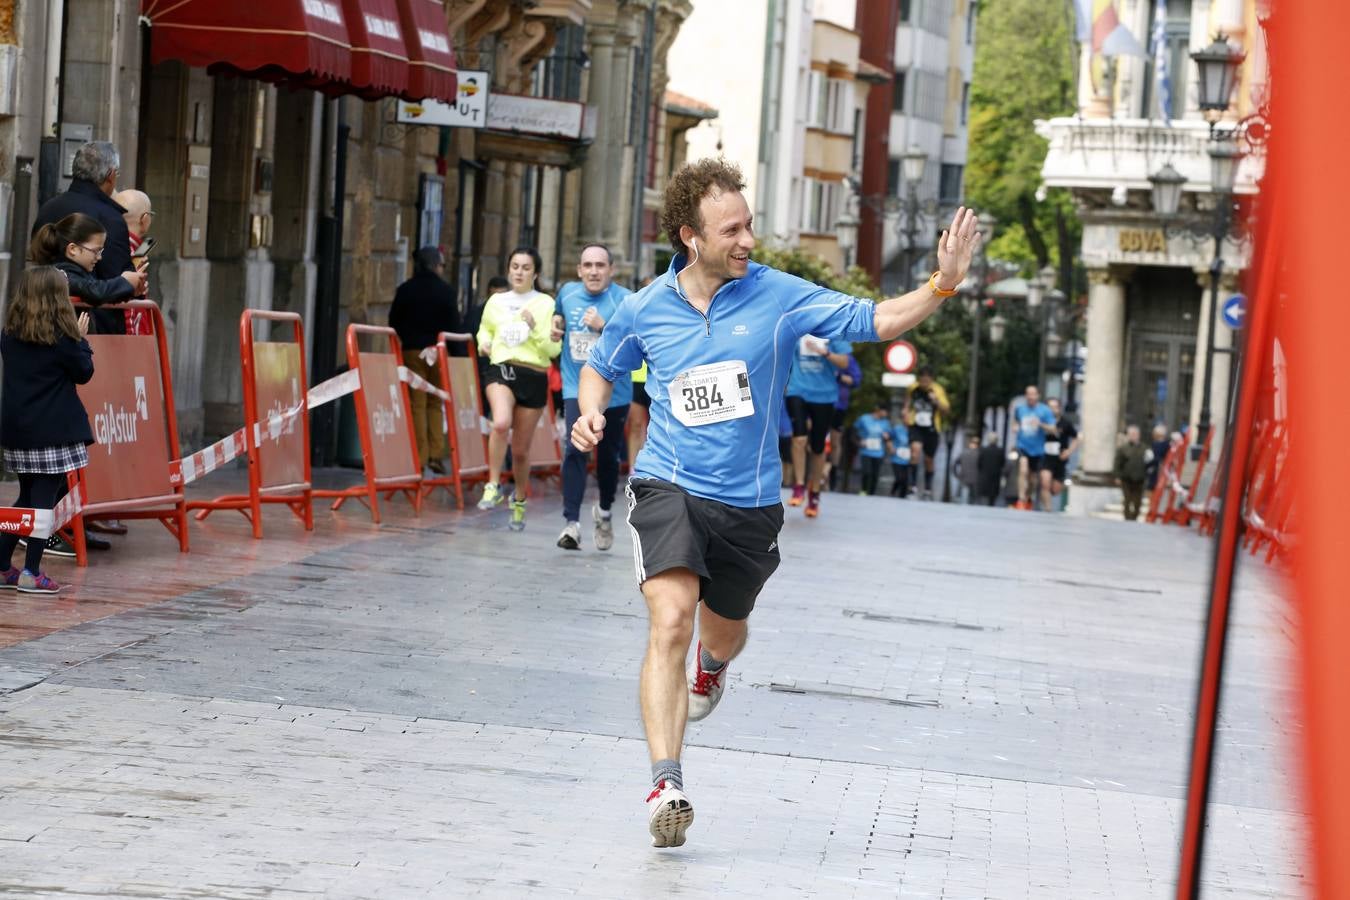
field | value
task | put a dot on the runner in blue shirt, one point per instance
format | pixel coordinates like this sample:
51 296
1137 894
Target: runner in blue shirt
1033 421
811 394
874 436
900 458
583 308
704 503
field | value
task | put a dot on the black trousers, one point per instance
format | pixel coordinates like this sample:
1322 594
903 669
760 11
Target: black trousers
901 487
36 491
871 473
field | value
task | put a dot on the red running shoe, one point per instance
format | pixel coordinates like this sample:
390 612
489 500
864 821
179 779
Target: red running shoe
813 504
798 495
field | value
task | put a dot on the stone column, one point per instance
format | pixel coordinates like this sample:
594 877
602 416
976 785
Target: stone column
1105 370
595 173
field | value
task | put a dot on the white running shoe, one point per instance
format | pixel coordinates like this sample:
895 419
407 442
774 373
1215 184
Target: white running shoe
604 529
492 496
669 815
570 539
705 688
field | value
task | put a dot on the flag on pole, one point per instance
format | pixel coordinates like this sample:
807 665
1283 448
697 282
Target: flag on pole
1099 24
1162 76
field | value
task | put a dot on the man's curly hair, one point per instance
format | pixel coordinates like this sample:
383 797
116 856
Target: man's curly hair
686 191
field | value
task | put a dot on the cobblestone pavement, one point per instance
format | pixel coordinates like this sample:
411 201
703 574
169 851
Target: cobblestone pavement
936 702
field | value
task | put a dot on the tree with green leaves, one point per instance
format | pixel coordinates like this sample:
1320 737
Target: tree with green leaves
1024 71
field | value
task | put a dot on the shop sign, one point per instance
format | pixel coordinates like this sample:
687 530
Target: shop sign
1142 240
470 109
536 115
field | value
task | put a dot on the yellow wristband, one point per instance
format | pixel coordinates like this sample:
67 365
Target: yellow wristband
932 283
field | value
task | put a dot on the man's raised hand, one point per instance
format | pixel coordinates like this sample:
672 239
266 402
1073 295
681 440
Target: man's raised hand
956 248
587 431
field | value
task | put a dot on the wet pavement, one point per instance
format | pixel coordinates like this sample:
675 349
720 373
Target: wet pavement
935 702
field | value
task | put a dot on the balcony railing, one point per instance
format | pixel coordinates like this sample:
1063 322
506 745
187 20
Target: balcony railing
1109 153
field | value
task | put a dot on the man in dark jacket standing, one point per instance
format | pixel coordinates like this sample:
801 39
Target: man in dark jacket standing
94 172
1131 469
423 307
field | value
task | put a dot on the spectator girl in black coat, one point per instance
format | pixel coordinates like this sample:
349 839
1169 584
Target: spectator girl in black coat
74 245
44 429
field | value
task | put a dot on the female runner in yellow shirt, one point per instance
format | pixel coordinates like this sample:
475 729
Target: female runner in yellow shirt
515 336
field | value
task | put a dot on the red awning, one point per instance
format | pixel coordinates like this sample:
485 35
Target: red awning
379 57
431 68
274 40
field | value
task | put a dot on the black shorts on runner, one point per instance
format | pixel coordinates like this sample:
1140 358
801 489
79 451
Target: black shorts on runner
811 420
1057 467
529 386
732 550
1035 463
640 394
928 437
837 420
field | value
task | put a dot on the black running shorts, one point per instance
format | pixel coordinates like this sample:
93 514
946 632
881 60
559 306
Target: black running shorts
928 437
529 386
1035 463
732 550
640 394
811 420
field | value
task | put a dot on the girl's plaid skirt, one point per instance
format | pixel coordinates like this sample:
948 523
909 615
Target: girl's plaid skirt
47 460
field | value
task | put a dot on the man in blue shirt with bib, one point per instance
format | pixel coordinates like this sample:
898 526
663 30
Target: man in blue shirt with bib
812 391
1033 420
704 505
583 308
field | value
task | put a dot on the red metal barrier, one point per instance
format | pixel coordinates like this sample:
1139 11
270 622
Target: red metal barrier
384 420
130 406
1168 474
1181 512
464 432
276 424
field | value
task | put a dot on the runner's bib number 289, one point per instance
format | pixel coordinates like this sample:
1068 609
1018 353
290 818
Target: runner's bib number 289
718 392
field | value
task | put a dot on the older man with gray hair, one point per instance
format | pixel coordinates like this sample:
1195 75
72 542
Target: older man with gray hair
94 172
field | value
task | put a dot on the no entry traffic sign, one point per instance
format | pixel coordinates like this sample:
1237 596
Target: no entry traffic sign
901 357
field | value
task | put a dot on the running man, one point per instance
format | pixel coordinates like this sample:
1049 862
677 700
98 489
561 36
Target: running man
925 405
704 503
812 391
1058 449
583 309
1034 421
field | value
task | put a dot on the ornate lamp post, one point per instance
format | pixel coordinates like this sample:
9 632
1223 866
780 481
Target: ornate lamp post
973 293
1218 66
912 166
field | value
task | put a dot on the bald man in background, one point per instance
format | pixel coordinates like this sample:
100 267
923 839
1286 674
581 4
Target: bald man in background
139 217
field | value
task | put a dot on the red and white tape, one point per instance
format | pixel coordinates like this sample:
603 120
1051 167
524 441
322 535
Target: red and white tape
41 523
417 382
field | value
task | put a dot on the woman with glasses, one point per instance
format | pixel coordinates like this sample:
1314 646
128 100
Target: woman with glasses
74 245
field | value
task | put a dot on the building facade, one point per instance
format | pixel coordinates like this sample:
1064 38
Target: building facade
289 185
1149 293
926 48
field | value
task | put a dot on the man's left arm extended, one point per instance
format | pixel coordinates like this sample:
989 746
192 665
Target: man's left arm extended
956 249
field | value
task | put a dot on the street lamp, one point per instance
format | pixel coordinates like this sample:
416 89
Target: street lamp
1036 292
973 292
912 166
998 326
1167 184
846 233
1218 66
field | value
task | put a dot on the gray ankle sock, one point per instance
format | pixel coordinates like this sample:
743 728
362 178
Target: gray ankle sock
667 770
706 660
